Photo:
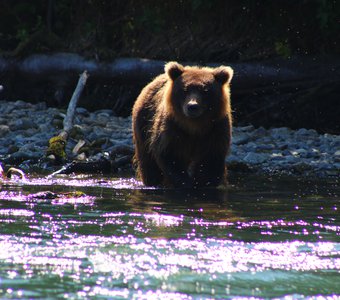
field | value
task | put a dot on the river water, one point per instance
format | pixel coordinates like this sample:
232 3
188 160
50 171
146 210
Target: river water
103 238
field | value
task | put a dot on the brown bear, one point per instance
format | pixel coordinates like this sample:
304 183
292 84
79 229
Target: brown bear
182 127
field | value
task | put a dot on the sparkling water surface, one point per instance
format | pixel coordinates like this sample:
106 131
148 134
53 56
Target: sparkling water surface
102 238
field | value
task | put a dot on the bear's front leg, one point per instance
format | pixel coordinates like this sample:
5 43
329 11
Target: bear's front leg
148 171
209 171
174 171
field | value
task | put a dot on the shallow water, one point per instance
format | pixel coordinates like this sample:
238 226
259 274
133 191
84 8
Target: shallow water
260 238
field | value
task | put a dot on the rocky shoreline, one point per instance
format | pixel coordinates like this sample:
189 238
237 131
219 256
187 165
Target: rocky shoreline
25 129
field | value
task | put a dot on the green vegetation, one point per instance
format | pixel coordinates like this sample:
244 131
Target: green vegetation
215 30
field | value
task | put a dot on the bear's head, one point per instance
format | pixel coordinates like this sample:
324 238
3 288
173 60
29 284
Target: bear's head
196 95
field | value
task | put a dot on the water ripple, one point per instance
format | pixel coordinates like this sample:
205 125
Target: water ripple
116 244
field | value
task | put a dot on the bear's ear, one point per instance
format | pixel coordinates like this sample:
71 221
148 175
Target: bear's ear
173 69
223 74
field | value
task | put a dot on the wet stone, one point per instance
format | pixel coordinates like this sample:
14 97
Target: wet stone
246 128
277 156
337 156
260 132
82 111
280 133
3 121
22 124
265 147
255 158
4 130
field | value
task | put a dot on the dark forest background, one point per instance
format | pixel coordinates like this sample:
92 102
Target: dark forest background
188 30
197 31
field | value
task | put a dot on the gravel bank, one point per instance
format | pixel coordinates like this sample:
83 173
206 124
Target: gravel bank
25 129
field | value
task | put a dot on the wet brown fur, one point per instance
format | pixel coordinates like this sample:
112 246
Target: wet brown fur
172 149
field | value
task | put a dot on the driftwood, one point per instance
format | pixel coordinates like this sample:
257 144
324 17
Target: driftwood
120 157
68 121
103 166
57 144
10 173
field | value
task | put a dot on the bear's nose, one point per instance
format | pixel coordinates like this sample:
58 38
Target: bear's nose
193 109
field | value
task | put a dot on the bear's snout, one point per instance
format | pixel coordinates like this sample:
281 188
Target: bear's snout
193 109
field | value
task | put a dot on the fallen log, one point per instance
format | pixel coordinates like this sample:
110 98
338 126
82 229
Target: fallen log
130 70
102 166
299 92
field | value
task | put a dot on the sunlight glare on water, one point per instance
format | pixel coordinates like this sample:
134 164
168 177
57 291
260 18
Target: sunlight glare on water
118 243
